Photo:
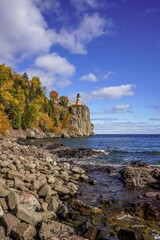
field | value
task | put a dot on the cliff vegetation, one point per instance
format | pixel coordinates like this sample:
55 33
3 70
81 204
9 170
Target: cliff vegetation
24 105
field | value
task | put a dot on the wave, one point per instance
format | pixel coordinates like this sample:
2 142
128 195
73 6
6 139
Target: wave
106 152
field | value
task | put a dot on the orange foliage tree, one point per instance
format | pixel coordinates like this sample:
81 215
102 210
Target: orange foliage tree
53 95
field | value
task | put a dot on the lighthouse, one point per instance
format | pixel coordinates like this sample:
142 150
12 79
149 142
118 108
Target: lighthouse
78 100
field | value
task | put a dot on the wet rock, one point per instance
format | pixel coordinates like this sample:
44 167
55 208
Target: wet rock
92 182
63 212
23 231
126 234
28 215
145 208
92 233
137 177
72 189
84 177
152 194
8 221
147 237
138 164
76 169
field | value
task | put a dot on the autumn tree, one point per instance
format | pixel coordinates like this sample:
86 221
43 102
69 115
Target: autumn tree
63 100
53 96
4 123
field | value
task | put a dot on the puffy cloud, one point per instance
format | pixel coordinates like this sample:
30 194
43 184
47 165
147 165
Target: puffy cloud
115 92
108 75
52 69
91 26
24 31
121 108
89 78
55 63
118 109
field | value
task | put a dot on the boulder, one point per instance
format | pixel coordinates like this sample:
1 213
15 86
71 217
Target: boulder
63 212
3 192
45 190
13 199
28 215
23 231
137 177
12 174
54 204
47 215
61 190
8 221
145 208
29 199
52 229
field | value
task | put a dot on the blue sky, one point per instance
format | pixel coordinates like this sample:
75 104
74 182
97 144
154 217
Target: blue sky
108 50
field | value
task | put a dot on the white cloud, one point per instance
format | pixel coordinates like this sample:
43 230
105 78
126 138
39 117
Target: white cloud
55 63
89 78
108 75
91 27
53 70
118 109
121 108
24 31
115 92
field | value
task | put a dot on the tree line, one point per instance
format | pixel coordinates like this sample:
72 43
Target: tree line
24 104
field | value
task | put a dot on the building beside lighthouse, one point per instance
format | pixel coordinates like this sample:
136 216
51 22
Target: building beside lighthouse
78 101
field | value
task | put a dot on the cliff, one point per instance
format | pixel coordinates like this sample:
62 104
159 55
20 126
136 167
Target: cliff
80 122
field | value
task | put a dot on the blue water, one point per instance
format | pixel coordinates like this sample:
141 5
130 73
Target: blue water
122 148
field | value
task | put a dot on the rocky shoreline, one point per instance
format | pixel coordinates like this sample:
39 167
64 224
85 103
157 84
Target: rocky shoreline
44 197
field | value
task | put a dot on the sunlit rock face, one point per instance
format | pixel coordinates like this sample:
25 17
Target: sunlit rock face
81 125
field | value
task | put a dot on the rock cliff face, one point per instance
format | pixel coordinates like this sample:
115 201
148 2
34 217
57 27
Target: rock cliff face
81 125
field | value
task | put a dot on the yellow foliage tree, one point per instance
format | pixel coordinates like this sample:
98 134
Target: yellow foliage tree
45 122
4 123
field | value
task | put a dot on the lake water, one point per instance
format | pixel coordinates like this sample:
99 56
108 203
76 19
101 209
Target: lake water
121 149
